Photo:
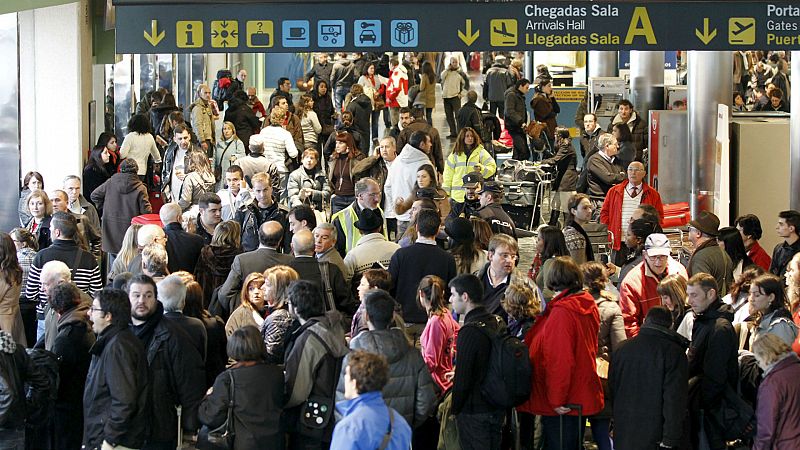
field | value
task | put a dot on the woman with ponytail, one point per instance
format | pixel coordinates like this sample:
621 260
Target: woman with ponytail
438 339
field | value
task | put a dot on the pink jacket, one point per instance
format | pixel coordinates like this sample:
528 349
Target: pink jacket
438 342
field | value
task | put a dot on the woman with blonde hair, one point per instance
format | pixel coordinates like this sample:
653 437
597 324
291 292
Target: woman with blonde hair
672 290
777 414
273 331
41 210
468 155
308 121
229 148
10 288
199 179
251 309
438 338
128 251
216 259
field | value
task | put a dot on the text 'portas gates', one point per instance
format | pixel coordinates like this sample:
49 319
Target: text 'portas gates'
297 27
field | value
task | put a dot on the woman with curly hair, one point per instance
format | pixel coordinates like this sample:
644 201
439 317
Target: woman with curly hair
340 171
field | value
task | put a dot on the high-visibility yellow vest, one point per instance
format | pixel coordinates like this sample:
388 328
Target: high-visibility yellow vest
347 220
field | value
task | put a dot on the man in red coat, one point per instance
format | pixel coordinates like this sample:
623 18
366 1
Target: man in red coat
622 200
637 292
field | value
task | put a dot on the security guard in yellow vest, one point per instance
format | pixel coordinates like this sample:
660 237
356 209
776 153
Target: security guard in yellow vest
368 195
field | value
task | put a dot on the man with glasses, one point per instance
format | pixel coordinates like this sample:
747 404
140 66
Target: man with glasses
115 397
622 200
368 196
638 290
501 271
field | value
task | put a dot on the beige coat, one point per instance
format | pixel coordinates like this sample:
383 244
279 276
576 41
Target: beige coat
10 318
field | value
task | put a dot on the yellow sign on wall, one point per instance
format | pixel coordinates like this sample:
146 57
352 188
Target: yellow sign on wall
260 33
224 33
189 33
503 32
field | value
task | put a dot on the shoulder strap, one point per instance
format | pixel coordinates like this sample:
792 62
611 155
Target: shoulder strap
230 402
324 269
388 436
222 156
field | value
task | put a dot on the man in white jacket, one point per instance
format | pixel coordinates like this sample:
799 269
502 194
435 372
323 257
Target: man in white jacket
401 182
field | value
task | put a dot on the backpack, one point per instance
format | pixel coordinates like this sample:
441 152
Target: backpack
219 92
508 378
44 402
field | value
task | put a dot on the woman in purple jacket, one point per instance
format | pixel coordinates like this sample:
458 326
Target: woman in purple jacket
778 411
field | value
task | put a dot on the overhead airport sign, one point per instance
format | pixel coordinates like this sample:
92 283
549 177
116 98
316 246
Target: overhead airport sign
289 27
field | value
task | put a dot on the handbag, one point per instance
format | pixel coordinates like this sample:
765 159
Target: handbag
222 437
378 102
218 167
535 128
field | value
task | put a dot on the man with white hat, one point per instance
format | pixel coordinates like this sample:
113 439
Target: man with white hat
638 290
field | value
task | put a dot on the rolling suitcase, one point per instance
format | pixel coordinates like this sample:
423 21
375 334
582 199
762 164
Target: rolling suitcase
601 240
579 408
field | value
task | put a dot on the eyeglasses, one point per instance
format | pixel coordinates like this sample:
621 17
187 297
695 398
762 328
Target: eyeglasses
93 309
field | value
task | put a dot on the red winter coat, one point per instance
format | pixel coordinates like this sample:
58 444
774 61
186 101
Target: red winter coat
611 214
562 352
637 293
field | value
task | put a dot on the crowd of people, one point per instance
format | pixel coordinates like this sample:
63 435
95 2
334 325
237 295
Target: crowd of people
308 284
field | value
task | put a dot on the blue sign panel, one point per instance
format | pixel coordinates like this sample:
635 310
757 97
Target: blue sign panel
367 33
330 33
295 33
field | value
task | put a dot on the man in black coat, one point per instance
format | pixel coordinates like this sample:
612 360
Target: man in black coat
492 211
603 170
713 363
172 294
648 381
175 370
470 115
516 118
115 398
309 269
72 345
183 249
635 122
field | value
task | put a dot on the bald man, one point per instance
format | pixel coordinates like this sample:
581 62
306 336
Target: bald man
622 200
270 235
147 234
333 286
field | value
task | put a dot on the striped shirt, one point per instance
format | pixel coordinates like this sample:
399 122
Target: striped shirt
86 274
629 204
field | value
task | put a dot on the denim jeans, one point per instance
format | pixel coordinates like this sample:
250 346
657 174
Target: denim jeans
338 97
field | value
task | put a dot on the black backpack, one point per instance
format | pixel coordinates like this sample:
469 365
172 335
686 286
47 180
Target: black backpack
508 379
221 92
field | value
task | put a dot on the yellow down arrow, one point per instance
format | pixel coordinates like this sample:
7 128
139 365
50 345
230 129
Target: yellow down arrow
706 35
154 37
468 37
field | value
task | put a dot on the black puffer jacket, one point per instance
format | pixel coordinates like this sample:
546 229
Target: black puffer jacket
648 383
361 107
410 388
516 113
115 398
176 376
243 119
18 370
258 403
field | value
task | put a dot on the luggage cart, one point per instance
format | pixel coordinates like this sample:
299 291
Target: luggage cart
528 202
